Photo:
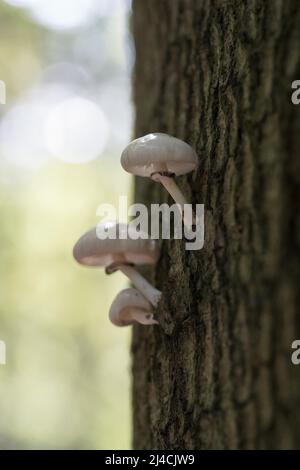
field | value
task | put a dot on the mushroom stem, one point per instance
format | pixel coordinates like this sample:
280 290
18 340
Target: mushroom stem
148 291
170 185
142 316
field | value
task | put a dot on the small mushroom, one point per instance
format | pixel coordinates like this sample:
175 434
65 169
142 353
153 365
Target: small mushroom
130 306
120 250
161 157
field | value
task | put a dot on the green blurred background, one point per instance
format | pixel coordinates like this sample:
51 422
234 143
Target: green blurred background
67 67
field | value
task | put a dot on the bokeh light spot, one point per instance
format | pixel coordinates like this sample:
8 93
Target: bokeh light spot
76 130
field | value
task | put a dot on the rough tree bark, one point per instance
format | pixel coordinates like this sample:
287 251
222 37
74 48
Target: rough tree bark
218 373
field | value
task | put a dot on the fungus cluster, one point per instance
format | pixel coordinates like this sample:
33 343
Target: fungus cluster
123 252
161 158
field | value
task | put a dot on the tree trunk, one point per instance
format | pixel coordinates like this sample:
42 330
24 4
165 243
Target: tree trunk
217 373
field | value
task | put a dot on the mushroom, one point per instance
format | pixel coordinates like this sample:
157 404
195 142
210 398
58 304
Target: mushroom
119 250
130 306
161 157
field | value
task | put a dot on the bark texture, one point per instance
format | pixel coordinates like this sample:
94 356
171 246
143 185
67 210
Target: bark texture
217 373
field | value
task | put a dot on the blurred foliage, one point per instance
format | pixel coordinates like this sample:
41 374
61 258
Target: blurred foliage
66 381
21 50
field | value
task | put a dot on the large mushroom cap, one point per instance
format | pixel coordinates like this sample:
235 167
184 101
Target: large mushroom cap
158 153
90 250
124 303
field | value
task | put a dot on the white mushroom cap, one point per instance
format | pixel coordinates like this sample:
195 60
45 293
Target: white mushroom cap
92 251
130 306
158 153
